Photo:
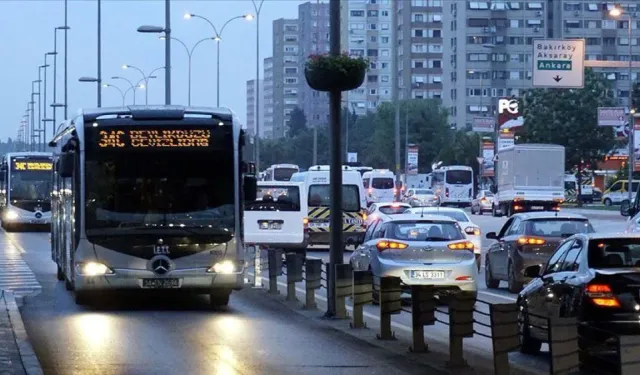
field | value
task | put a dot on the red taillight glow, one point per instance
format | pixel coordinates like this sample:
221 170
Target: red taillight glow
517 208
446 192
395 205
464 278
305 223
464 245
531 241
483 200
602 295
390 245
395 191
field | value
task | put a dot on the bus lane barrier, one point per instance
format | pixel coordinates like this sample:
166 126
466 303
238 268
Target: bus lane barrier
563 345
504 337
257 265
423 313
390 301
343 288
275 270
294 274
313 281
362 295
461 321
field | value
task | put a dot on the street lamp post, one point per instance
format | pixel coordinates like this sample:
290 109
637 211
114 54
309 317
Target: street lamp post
145 78
218 38
130 85
91 80
618 12
167 58
55 73
99 67
119 89
41 69
66 55
189 55
257 6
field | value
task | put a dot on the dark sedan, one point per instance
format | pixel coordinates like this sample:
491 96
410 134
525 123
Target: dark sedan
528 239
592 277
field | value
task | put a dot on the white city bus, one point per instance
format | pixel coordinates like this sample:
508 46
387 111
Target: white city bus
150 198
453 185
25 194
280 172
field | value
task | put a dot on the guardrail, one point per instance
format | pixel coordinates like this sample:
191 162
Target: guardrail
501 324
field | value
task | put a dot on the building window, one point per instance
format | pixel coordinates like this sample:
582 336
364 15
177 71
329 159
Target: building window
290 70
373 92
417 17
478 5
291 38
291 80
437 18
357 13
384 26
384 39
372 13
534 6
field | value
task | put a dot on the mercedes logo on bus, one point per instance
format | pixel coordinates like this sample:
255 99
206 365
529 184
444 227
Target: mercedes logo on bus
160 265
38 215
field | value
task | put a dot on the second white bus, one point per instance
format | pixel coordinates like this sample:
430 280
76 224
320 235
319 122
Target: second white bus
453 185
280 172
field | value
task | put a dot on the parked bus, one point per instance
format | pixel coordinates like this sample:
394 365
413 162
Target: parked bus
280 172
25 195
453 185
150 198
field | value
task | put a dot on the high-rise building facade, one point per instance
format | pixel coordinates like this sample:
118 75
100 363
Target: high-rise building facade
313 34
252 117
286 72
489 48
266 128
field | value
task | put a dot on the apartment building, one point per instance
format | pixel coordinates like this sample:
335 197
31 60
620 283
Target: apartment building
252 118
286 72
489 45
367 30
313 34
266 130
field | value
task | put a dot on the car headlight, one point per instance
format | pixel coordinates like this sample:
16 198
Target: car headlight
224 267
93 269
10 215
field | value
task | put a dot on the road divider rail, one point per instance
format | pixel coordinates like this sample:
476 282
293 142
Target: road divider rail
500 323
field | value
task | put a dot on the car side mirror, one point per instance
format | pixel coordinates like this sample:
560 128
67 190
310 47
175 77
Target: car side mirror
66 165
532 271
492 236
250 188
626 209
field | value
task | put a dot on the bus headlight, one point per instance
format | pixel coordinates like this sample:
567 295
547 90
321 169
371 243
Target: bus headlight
93 269
224 267
10 215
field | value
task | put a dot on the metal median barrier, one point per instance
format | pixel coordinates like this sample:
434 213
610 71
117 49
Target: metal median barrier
573 348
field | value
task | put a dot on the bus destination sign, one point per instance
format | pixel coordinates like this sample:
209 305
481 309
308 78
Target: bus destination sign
33 165
153 138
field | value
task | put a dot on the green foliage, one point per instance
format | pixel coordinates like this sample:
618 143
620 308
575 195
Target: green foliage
343 63
297 122
568 117
372 136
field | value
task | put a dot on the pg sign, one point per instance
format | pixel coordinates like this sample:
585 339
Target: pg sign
558 63
509 114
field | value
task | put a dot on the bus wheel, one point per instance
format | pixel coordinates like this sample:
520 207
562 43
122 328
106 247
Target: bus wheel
60 274
219 298
67 284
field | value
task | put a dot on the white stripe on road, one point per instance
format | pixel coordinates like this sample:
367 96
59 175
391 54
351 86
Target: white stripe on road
15 273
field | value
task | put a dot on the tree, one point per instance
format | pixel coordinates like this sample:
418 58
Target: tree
568 117
297 122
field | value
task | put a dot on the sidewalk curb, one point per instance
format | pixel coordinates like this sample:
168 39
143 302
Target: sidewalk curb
28 356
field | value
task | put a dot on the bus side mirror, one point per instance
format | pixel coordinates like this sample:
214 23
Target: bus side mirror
250 188
66 163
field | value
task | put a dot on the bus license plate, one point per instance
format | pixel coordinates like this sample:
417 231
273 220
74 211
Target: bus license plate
427 275
37 221
537 207
161 283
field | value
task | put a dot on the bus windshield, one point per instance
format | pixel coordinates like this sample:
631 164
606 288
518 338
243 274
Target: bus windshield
461 177
30 180
283 174
161 189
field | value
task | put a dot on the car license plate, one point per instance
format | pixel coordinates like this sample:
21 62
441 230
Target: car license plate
318 225
37 221
537 207
427 275
161 283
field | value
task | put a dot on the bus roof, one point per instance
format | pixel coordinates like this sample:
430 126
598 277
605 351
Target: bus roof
454 168
284 166
155 112
28 153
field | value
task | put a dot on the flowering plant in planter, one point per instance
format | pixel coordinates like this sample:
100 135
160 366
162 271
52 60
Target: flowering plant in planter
335 73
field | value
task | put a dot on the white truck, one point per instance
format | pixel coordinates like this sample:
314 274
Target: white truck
530 178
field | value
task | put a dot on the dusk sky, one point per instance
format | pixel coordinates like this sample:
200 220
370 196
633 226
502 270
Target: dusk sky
28 27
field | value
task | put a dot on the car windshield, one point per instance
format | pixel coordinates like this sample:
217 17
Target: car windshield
283 174
455 215
614 253
30 180
488 194
424 192
393 210
424 230
276 198
561 227
459 177
320 196
152 190
382 183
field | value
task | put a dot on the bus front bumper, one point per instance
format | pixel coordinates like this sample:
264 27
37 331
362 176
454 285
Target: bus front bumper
21 217
198 281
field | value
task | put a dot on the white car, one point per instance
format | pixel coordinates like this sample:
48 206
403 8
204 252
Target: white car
420 250
379 210
471 230
421 198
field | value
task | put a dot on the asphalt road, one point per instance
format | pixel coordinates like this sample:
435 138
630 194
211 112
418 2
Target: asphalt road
160 335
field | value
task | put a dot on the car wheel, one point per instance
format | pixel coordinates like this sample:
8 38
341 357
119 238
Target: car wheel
479 211
488 276
607 202
219 298
514 285
528 344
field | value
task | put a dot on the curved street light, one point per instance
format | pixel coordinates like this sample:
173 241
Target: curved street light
189 55
145 78
218 38
130 86
117 88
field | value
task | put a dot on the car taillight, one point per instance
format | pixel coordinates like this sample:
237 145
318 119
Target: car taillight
464 245
364 217
370 191
305 223
390 245
483 200
446 192
602 295
395 191
531 241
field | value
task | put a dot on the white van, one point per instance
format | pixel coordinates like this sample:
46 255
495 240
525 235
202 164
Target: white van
380 185
354 204
278 217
